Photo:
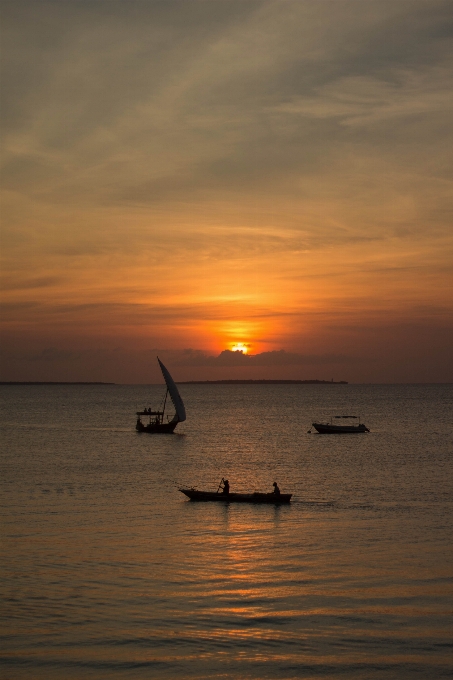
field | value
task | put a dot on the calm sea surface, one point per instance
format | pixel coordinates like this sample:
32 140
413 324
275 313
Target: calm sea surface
109 572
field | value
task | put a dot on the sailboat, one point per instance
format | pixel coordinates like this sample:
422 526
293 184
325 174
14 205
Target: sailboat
157 423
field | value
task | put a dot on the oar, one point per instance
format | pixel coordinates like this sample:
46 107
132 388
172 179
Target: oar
222 480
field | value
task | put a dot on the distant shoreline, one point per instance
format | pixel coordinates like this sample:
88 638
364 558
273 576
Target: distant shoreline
191 382
33 382
262 382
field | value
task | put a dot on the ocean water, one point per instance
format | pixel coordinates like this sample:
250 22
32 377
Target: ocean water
108 571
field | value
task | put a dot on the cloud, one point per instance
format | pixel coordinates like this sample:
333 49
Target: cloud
365 100
10 283
274 358
141 106
53 354
274 114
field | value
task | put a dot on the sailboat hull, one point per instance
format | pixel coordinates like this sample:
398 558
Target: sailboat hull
156 428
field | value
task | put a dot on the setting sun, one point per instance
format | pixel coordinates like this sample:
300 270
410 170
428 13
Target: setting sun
240 347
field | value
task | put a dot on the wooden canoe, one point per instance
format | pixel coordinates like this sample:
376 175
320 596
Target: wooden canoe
275 499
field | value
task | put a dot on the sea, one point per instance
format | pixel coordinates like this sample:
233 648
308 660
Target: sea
109 572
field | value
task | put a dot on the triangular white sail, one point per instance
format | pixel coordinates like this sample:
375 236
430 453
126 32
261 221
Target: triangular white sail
174 394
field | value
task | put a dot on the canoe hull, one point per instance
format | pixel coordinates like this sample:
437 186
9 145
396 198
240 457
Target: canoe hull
269 498
326 428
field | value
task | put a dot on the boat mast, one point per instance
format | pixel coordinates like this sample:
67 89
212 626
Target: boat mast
165 401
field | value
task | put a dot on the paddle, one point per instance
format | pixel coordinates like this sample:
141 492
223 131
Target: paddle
220 485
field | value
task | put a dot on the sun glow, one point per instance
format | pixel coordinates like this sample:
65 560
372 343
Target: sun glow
240 347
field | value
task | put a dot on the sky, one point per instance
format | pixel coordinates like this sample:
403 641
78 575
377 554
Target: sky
245 188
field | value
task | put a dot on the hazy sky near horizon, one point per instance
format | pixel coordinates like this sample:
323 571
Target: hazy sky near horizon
181 176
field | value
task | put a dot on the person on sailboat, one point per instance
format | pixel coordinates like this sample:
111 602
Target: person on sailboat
226 487
276 489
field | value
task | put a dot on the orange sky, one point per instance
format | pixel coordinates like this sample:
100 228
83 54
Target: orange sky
191 175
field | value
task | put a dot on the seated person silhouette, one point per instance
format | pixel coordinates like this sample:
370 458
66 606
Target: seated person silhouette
276 489
226 487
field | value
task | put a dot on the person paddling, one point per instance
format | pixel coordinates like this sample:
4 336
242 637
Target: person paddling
226 487
276 489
